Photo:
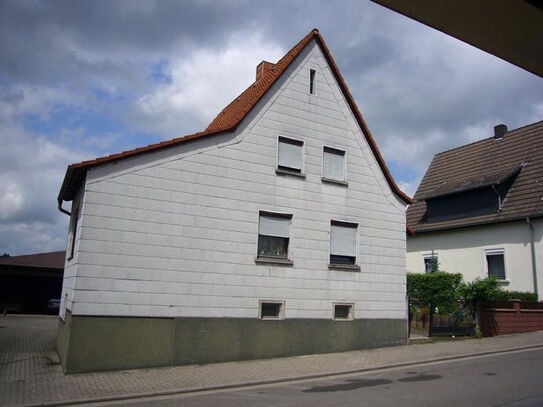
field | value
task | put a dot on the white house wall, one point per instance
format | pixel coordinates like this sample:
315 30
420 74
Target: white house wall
175 235
463 251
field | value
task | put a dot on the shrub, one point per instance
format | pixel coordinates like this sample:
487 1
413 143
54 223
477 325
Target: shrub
439 289
479 292
514 295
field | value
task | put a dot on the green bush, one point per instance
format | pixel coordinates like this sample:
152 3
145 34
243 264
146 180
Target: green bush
514 295
480 291
439 289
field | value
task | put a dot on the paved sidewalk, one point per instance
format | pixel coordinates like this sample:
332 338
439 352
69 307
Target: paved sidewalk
30 373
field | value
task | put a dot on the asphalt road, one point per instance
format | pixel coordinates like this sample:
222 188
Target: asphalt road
511 379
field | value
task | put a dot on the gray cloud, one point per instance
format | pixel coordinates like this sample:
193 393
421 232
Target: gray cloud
138 64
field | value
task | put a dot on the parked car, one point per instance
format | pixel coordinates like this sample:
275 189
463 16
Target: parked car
53 306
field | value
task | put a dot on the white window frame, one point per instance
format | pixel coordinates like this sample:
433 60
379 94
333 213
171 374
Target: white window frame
286 170
342 181
281 314
350 317
496 251
340 266
428 256
270 259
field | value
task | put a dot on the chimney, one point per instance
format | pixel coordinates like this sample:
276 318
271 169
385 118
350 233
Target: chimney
499 131
262 68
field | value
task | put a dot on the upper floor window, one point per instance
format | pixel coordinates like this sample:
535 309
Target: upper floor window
312 81
481 195
343 243
290 156
333 164
273 236
495 263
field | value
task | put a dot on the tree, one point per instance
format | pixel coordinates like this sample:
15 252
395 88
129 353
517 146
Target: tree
433 264
477 294
434 290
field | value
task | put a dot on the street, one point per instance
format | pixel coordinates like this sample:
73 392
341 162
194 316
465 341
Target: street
505 380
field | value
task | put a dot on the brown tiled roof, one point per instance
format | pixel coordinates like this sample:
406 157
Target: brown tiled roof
50 260
486 162
448 187
230 117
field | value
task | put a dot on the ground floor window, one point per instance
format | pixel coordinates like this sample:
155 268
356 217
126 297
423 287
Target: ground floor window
343 242
273 235
495 263
431 263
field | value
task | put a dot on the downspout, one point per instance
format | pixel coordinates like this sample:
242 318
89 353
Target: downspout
60 208
532 246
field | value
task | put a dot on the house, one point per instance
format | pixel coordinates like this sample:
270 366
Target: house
479 210
29 281
276 231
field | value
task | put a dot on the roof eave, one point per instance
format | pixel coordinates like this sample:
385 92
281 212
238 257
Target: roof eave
362 123
417 231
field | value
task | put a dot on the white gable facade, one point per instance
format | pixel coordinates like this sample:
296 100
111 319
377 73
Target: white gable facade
280 238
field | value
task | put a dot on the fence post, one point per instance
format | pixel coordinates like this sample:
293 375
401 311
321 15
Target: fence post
516 305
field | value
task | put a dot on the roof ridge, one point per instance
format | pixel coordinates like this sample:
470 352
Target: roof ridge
488 138
222 123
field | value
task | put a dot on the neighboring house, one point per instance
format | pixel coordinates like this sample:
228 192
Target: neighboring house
479 210
28 282
276 231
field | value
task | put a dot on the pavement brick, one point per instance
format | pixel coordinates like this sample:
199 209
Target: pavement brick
31 375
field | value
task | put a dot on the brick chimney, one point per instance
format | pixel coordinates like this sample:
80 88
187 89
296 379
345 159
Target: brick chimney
499 131
262 68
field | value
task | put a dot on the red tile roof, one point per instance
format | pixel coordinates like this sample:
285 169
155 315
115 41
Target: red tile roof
231 116
483 163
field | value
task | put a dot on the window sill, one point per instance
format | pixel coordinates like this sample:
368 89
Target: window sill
334 181
344 267
271 318
279 171
273 260
504 282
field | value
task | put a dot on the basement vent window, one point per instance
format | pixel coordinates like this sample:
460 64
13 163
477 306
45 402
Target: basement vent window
272 309
343 312
312 75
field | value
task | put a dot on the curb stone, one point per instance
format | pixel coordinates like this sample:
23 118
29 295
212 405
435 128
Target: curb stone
135 396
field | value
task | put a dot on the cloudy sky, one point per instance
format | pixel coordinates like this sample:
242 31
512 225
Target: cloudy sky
81 79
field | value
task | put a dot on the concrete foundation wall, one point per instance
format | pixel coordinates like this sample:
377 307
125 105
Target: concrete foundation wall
110 343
